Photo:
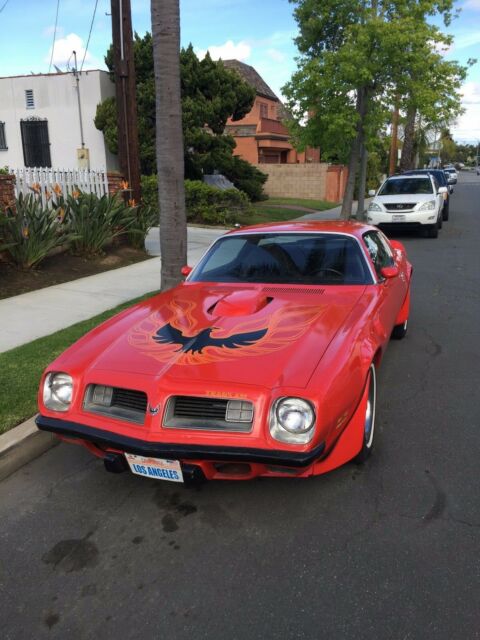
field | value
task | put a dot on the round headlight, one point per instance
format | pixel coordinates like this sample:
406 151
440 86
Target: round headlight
293 420
58 391
295 415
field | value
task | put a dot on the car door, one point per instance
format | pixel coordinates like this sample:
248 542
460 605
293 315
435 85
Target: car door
392 291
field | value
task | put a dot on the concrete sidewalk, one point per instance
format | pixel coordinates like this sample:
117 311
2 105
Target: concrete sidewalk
39 313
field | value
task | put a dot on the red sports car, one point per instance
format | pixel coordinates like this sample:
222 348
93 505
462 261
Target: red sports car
262 363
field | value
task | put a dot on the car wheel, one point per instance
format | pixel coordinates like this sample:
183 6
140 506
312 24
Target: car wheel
440 221
446 211
369 425
432 230
400 331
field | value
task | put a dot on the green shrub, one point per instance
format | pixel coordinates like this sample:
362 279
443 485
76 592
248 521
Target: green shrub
245 177
150 192
143 219
96 221
209 205
30 231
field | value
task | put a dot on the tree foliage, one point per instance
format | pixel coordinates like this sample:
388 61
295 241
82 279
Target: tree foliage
211 94
357 58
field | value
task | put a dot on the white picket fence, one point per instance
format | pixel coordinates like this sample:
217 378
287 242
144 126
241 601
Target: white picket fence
44 181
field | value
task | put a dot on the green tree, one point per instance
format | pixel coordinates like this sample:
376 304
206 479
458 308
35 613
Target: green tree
210 95
351 64
448 148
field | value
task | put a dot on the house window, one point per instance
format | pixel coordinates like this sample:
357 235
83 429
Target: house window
3 140
263 110
35 142
29 99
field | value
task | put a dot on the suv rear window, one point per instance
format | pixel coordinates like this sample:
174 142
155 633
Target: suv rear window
406 186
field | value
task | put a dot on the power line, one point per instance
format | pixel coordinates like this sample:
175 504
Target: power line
4 5
54 36
89 34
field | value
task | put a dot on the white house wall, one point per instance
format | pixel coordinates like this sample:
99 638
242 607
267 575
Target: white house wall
55 98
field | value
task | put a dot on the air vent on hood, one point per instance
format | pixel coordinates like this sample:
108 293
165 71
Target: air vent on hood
313 290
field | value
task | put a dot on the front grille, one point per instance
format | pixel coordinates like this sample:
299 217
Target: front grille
210 414
115 402
129 399
189 407
400 206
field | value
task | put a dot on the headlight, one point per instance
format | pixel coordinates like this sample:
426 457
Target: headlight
427 206
373 206
57 391
292 420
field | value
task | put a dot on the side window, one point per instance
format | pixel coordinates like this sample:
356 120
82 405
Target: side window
379 251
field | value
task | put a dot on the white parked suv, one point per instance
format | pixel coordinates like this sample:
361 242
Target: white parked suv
408 202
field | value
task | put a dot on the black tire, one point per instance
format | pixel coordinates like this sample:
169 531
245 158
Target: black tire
431 230
400 330
446 211
369 428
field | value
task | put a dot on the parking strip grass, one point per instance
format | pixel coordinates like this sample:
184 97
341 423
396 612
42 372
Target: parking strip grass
22 367
318 205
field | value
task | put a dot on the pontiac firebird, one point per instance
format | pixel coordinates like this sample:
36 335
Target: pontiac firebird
263 362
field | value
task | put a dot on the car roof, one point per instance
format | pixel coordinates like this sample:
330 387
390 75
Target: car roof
404 176
345 227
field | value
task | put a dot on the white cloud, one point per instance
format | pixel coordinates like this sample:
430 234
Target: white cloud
49 31
276 55
227 51
472 4
467 127
62 53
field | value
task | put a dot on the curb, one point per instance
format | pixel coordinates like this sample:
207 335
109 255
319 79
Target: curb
22 444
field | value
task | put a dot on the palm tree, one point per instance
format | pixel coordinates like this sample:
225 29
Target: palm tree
169 145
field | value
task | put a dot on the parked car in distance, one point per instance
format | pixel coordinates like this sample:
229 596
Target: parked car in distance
262 363
441 178
452 175
408 202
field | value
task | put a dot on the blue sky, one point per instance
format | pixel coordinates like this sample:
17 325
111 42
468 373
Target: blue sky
259 32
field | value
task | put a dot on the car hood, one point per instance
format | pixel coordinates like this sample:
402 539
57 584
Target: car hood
260 335
405 198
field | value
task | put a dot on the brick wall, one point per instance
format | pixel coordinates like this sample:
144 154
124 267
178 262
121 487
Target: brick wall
114 182
336 182
296 180
318 181
7 190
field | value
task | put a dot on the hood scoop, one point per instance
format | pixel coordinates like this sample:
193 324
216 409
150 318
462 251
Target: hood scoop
240 303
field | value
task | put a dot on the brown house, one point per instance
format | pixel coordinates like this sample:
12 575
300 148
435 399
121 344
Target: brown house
261 137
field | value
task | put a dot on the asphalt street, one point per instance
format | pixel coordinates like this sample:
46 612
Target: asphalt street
390 550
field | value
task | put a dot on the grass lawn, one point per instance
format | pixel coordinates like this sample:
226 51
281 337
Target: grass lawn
22 367
318 205
266 211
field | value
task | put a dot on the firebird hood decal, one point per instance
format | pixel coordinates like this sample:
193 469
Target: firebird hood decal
185 341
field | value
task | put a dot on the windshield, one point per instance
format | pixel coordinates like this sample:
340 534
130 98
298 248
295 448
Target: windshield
299 258
406 186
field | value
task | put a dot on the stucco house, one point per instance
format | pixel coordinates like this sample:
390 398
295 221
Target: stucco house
261 137
45 118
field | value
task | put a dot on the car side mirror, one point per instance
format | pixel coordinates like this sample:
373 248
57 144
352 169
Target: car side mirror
389 272
372 193
442 190
186 270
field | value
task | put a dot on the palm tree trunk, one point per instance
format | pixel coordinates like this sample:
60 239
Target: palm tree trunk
169 144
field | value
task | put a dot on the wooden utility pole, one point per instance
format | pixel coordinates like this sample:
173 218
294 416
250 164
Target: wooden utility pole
125 87
394 141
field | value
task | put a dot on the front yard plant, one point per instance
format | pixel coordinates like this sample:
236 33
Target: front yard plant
29 231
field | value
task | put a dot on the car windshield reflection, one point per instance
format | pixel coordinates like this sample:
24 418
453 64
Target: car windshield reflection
282 258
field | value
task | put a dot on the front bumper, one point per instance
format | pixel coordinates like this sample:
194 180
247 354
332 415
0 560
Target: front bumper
108 441
411 218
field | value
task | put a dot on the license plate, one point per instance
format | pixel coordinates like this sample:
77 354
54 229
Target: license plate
398 217
156 468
